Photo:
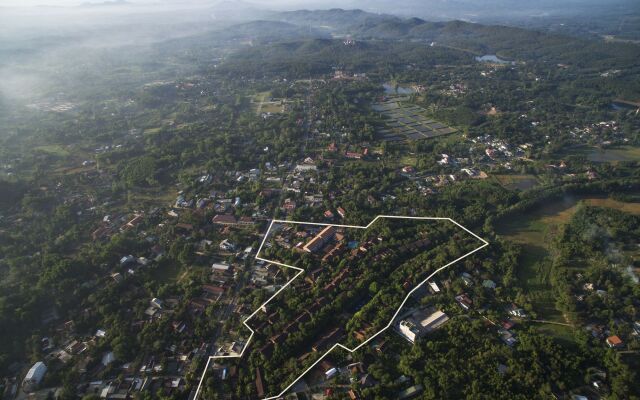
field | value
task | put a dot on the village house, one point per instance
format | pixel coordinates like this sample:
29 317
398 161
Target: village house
614 342
224 219
464 301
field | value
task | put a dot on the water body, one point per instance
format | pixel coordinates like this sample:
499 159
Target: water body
492 58
617 106
393 89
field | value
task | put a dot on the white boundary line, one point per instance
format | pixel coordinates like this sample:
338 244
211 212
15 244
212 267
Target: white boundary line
300 271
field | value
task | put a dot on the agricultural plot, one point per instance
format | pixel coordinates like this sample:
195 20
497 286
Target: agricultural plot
407 123
264 103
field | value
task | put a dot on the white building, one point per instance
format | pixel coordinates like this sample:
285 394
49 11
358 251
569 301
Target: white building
34 377
226 245
421 322
220 267
409 330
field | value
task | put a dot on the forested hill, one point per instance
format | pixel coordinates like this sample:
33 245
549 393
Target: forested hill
509 42
298 59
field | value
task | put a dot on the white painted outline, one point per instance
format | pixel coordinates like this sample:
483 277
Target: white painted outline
300 271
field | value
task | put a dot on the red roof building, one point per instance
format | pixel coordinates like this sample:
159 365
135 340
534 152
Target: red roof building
320 240
614 341
224 219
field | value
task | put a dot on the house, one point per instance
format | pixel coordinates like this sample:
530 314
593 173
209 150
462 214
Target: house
34 377
411 392
76 347
289 205
213 290
508 324
224 219
327 339
466 278
226 245
464 301
331 373
320 240
133 223
219 267
409 330
127 260
434 287
157 303
305 168
101 232
184 227
246 221
614 342
342 212
507 337
516 311
333 252
108 358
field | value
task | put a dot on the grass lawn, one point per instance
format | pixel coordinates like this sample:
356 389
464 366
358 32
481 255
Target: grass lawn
152 197
151 131
521 182
53 149
631 208
262 104
167 273
561 333
408 160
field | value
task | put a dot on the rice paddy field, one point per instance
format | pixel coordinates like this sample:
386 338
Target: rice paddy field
407 123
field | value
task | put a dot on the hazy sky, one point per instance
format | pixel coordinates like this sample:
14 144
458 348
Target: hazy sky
66 3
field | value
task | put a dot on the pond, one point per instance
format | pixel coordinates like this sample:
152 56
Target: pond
492 58
396 89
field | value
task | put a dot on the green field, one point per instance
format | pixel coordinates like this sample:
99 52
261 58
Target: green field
534 231
151 197
617 154
611 154
54 150
520 182
263 105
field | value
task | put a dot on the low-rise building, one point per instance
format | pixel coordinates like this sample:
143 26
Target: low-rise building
34 377
420 323
614 341
320 240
